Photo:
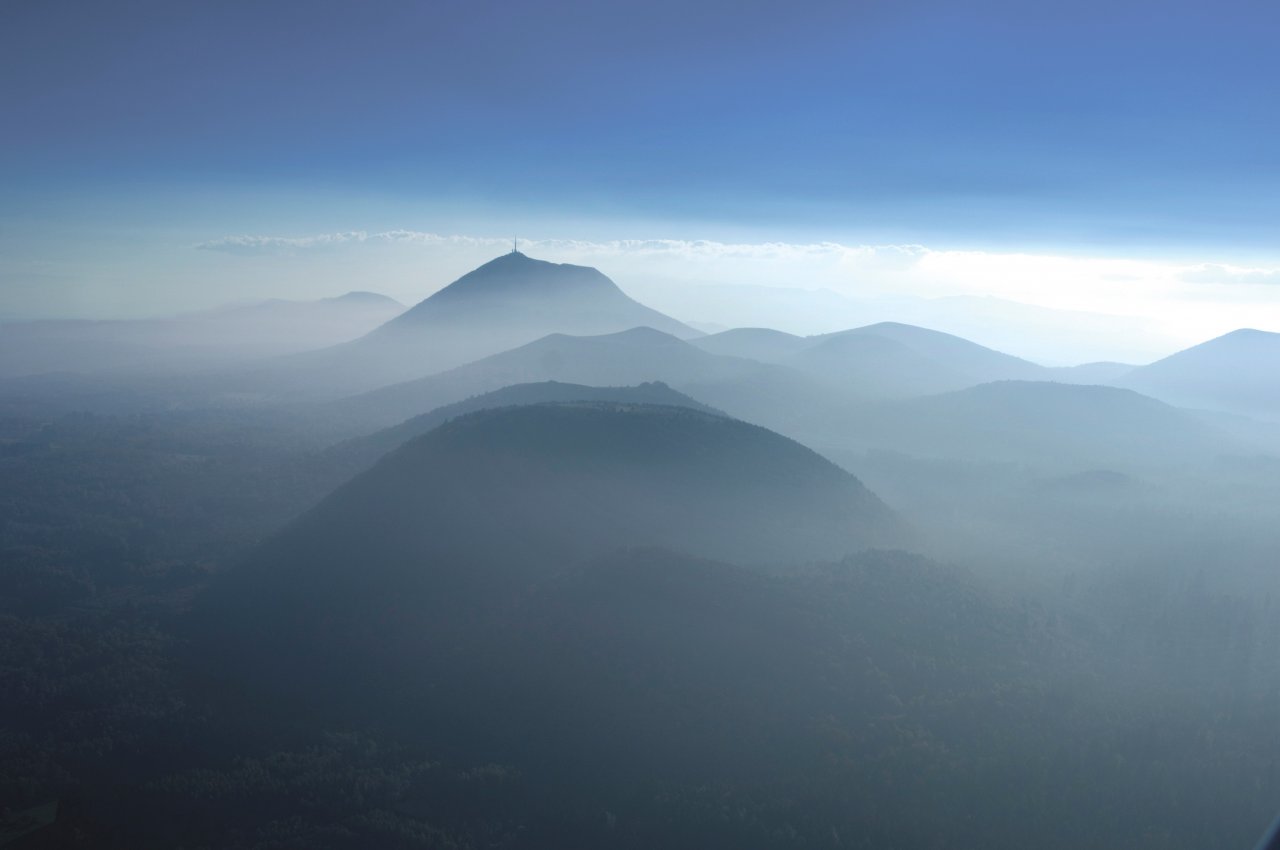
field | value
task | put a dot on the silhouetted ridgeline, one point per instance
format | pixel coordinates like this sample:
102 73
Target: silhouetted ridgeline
1237 372
507 302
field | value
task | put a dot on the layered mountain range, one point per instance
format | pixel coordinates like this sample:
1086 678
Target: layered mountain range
578 576
507 302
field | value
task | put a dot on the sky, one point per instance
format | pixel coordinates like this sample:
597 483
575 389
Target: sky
1106 158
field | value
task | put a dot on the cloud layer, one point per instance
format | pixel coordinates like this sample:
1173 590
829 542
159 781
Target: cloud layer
246 245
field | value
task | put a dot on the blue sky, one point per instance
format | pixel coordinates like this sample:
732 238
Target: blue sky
134 131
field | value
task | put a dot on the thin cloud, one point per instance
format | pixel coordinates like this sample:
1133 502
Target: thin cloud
1224 274
694 250
247 245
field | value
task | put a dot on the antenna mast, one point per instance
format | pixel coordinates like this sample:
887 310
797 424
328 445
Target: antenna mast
515 245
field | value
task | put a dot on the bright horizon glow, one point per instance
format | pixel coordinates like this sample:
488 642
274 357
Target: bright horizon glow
1087 307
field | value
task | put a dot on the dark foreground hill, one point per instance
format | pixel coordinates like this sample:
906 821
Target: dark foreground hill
470 515
548 484
490 592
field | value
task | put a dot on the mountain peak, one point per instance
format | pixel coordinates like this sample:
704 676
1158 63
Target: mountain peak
511 258
514 272
643 335
1247 334
523 298
362 297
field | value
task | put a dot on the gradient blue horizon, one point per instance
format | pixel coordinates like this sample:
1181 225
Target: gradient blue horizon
1150 123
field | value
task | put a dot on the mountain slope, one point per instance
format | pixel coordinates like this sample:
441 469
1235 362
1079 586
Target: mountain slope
875 367
523 490
975 361
532 297
1238 372
507 302
471 515
649 668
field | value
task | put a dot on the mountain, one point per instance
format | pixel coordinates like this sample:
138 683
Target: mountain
507 302
474 513
767 394
519 295
1044 424
1238 372
875 367
974 361
211 338
885 360
763 344
575 478
544 590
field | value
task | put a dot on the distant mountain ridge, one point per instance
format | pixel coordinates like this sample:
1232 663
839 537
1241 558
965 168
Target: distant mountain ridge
1238 372
763 393
884 360
1043 423
507 302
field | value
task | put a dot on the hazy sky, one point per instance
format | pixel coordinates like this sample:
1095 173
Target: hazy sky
1113 157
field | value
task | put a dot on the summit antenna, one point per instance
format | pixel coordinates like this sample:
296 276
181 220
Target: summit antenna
515 245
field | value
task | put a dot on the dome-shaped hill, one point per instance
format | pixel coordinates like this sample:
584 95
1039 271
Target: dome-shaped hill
467 518
550 483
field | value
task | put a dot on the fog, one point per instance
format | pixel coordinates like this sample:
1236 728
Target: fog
533 564
193 341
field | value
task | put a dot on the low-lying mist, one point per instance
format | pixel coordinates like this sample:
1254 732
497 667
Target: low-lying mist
532 565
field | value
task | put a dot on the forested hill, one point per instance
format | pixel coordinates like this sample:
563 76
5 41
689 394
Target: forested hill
550 483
